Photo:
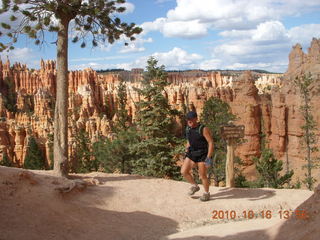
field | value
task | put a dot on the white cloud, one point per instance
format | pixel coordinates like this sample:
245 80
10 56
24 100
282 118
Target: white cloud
134 46
265 47
233 48
204 10
264 32
210 64
269 40
5 17
95 59
187 29
271 66
176 58
156 25
223 14
304 33
22 55
237 33
251 34
194 18
18 54
104 46
184 29
129 7
270 31
139 63
248 10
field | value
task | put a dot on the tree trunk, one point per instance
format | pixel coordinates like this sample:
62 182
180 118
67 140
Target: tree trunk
230 163
307 137
309 176
61 108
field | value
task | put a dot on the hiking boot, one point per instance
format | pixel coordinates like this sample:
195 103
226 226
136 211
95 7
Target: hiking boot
205 197
193 189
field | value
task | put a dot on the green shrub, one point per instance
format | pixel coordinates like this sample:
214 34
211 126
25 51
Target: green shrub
83 155
269 169
217 113
6 161
34 157
154 153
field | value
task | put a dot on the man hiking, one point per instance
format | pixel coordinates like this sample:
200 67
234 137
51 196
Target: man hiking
199 150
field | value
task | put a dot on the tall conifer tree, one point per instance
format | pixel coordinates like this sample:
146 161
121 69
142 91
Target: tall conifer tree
94 21
155 126
305 84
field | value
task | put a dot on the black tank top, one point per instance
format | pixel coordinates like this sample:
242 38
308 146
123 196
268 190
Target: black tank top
197 141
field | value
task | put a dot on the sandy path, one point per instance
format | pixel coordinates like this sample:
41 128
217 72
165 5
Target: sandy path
133 207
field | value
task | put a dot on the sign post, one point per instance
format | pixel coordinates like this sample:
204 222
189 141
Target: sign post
231 133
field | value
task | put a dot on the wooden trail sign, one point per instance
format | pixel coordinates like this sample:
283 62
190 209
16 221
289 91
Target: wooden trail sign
231 133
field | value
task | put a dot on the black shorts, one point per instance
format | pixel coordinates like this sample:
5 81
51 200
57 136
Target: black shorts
198 155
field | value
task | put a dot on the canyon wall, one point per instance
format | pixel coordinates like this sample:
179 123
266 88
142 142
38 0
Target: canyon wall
263 102
286 118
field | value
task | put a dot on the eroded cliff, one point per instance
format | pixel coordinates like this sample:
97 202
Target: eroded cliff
267 103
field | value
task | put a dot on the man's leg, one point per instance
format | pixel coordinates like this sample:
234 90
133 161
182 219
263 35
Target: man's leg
187 165
203 175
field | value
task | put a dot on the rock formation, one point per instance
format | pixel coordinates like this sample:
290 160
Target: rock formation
263 102
286 118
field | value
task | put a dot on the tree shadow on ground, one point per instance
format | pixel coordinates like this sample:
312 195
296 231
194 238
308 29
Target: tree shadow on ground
86 223
37 211
253 194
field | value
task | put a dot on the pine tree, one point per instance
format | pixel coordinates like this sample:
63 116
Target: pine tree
269 169
114 155
122 113
109 107
6 161
84 161
155 127
34 157
305 84
95 21
9 93
217 113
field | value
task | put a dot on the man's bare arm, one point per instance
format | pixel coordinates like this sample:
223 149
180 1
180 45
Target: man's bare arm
187 145
208 136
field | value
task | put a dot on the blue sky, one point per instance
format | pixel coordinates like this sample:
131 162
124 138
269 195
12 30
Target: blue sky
197 34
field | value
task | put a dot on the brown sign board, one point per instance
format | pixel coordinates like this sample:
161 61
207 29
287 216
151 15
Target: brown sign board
232 131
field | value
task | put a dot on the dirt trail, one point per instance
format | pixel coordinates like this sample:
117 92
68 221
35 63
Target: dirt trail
133 207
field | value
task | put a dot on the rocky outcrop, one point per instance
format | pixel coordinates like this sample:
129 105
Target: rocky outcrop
33 95
287 120
300 62
93 101
264 103
245 106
